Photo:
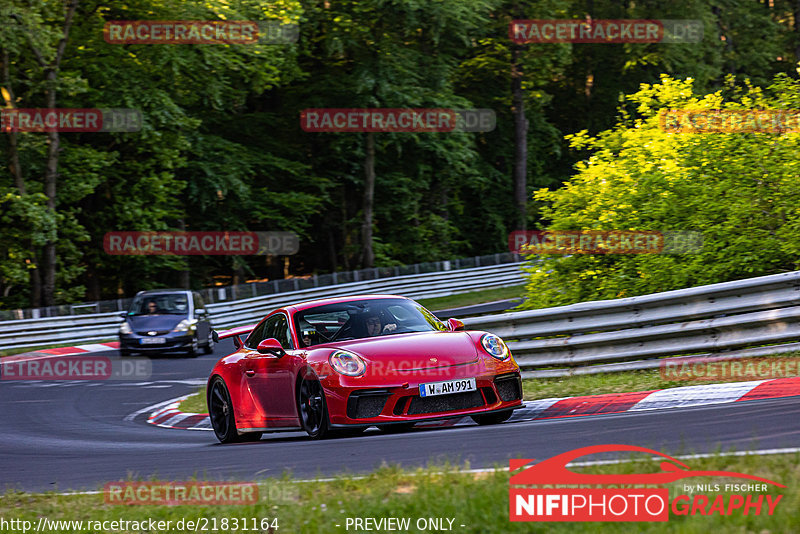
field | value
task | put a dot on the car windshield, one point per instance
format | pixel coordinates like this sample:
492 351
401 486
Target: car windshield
363 319
160 304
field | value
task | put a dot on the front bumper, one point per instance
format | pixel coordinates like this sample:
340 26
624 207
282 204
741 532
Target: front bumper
173 341
365 406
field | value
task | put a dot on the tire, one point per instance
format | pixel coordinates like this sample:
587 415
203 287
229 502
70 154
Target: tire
312 408
396 428
492 418
220 410
194 349
208 348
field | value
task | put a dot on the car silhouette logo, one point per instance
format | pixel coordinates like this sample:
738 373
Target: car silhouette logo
554 470
434 360
152 333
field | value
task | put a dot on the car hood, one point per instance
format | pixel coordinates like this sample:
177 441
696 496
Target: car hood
420 350
141 323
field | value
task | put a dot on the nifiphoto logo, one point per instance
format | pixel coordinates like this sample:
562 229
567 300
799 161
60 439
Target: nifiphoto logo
607 31
548 491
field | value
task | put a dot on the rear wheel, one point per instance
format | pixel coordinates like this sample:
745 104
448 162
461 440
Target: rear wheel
492 418
312 408
220 410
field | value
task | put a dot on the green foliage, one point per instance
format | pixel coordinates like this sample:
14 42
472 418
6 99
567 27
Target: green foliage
222 149
739 190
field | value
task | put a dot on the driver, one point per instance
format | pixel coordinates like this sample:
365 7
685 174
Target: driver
152 307
373 324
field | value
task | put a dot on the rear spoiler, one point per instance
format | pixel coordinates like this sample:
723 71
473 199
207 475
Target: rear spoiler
234 333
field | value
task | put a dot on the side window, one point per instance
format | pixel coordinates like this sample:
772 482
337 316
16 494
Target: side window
258 335
276 326
279 329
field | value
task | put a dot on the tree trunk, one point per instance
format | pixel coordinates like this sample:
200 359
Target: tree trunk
35 277
13 152
185 275
367 254
520 139
50 184
797 30
331 247
51 171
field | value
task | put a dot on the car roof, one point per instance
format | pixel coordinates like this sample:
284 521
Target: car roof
338 300
161 291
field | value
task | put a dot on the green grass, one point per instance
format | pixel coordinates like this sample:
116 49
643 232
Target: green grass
196 403
473 297
479 501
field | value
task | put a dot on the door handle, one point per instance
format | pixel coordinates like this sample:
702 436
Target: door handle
250 372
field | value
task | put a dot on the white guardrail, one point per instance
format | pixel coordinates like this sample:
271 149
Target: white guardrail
735 319
751 317
101 326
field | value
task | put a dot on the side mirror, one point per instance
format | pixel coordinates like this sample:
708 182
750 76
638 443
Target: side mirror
215 336
237 342
123 314
455 325
271 346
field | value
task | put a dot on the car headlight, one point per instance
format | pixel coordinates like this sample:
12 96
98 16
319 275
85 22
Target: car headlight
347 363
185 325
495 346
125 328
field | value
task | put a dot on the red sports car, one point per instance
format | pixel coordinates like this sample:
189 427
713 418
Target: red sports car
345 364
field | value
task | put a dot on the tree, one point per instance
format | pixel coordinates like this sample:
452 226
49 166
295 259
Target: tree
738 189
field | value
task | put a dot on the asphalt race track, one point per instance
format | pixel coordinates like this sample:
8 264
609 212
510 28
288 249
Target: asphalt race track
75 436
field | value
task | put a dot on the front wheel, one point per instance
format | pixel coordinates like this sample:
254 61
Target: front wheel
312 408
208 348
492 418
220 410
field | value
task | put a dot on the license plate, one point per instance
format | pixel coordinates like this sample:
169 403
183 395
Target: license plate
447 387
153 340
